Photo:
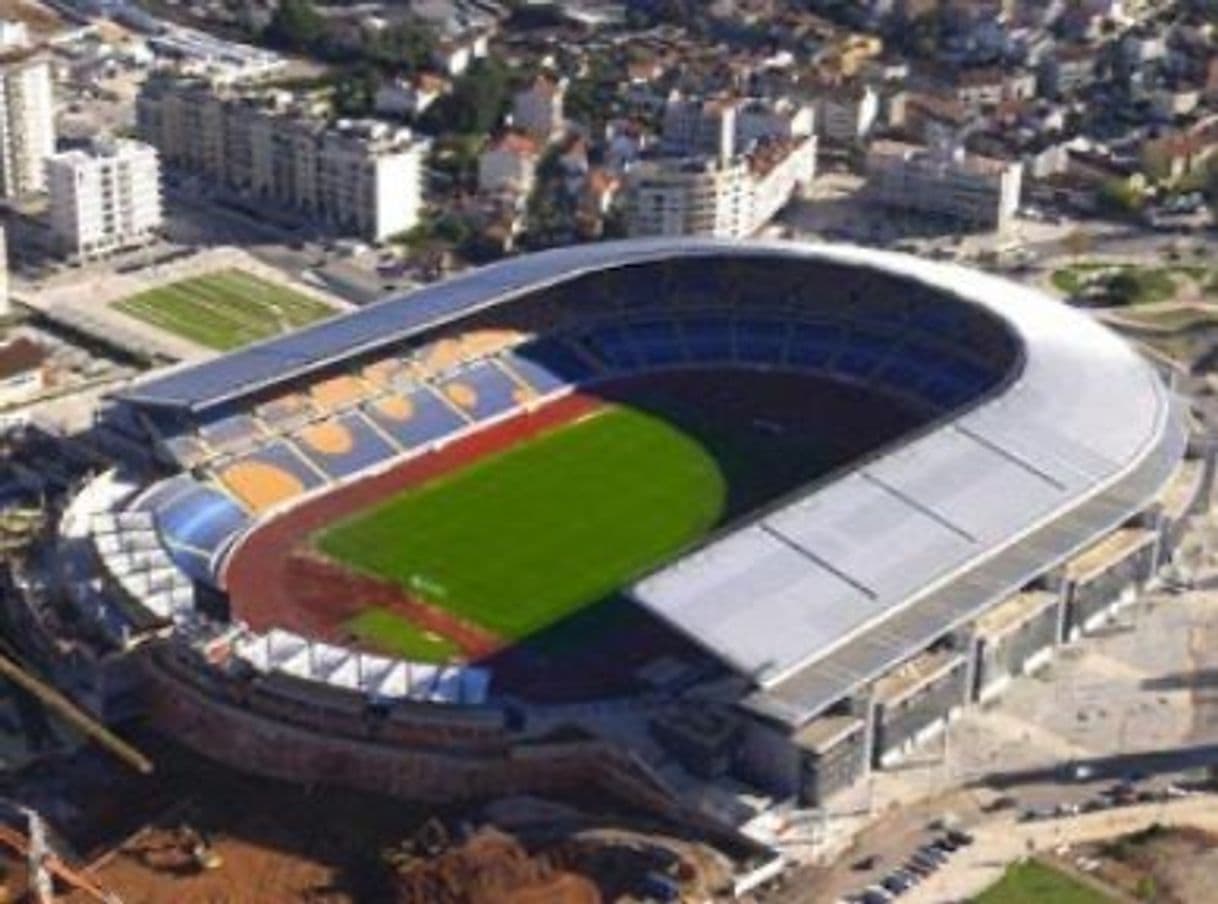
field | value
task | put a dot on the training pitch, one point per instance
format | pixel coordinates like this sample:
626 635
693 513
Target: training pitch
515 542
224 310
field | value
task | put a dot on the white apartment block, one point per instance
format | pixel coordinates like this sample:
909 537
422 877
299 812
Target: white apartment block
944 181
27 121
690 197
363 176
105 198
537 110
705 197
695 127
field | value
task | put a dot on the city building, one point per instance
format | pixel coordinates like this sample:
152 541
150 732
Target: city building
537 110
944 181
410 96
509 165
689 196
707 197
700 127
27 116
358 176
847 114
104 198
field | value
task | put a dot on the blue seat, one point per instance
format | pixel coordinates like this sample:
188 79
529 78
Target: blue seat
196 524
609 344
761 341
708 339
493 390
861 355
427 419
549 365
814 345
367 447
656 342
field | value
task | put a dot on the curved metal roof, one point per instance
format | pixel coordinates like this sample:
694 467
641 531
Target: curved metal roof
827 591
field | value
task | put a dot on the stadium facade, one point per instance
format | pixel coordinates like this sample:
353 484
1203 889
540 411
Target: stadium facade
828 634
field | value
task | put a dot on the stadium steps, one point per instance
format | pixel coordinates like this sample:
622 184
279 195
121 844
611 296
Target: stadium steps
586 354
380 431
300 453
448 403
515 376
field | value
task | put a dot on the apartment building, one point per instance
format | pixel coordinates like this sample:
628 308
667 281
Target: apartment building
104 198
945 181
509 165
694 126
27 117
358 176
537 110
708 197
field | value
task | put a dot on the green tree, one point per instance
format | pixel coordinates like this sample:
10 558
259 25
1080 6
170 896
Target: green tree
355 92
296 25
477 101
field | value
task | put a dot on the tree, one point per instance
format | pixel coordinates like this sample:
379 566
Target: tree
355 92
1118 197
296 25
477 101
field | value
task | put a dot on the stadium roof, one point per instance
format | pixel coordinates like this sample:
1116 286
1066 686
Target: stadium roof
829 591
825 593
278 360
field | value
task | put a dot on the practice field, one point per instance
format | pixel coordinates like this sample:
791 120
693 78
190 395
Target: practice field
224 310
515 542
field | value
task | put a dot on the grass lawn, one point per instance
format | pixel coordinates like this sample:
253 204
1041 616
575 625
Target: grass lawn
391 634
224 310
519 540
1032 882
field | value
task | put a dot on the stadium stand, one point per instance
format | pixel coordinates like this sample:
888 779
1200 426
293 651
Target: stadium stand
437 357
761 341
268 476
385 373
231 432
286 412
196 524
547 365
415 418
481 390
656 342
708 339
338 392
343 445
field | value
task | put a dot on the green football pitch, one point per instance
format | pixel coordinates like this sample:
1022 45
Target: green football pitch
224 310
517 541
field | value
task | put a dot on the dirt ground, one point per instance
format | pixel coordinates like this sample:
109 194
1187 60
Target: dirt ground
194 832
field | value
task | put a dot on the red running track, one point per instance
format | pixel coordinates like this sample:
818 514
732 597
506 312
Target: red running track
275 580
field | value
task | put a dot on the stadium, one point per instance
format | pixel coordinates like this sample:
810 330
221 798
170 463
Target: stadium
656 513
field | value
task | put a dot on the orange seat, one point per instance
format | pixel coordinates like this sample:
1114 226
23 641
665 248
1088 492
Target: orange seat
327 437
260 485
